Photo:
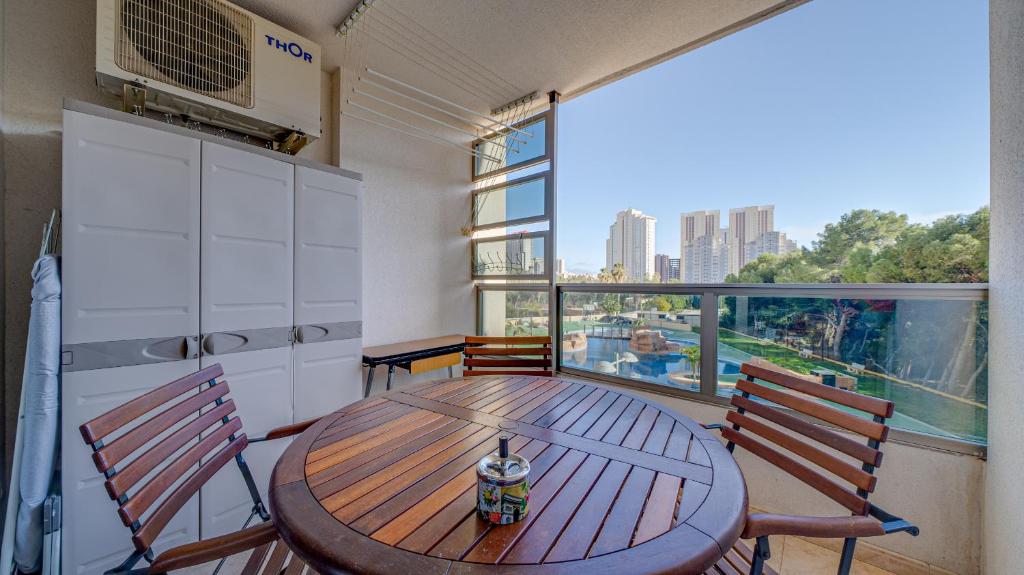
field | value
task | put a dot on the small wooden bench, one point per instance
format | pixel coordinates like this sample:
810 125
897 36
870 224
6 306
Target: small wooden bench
415 356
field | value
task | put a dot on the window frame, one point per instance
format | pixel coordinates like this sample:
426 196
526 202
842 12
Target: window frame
549 203
547 116
546 234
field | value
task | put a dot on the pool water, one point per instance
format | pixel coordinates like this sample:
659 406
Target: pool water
652 368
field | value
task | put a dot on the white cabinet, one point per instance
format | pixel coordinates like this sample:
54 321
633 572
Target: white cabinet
94 539
328 254
181 250
328 292
247 231
327 376
260 385
130 231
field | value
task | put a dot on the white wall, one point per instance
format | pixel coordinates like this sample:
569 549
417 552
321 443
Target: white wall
939 491
416 280
1004 509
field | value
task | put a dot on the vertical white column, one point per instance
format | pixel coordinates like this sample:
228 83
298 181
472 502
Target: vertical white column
1004 498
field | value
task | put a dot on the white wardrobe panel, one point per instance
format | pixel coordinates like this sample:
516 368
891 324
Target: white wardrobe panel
327 376
130 232
328 256
94 539
260 384
247 230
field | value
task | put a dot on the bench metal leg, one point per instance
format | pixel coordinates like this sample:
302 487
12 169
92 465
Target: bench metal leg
391 372
369 380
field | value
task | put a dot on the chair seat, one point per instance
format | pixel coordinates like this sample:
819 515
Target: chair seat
737 562
275 558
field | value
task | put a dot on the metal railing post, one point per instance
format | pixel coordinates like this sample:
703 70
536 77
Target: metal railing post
708 343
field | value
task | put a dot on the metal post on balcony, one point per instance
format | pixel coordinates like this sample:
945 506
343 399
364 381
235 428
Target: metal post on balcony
708 343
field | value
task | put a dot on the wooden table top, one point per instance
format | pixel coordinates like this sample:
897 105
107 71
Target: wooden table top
618 484
381 352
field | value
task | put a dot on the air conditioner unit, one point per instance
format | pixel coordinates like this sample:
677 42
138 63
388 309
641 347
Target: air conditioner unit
213 62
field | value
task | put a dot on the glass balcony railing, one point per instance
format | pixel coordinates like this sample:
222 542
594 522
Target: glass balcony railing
924 347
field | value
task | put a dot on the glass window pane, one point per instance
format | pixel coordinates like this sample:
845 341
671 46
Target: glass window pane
516 202
929 357
513 312
644 337
509 256
499 152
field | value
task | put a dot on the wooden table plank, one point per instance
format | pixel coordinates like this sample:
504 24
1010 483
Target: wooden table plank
493 547
602 448
575 541
452 446
548 525
617 531
472 529
578 411
618 484
659 509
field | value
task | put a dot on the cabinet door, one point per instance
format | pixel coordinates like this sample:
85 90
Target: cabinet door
260 384
247 230
328 248
94 539
130 233
327 376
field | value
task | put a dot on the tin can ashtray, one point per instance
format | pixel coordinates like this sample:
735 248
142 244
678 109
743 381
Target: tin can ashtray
503 486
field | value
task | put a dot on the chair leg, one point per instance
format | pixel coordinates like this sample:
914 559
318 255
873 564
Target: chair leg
761 554
846 559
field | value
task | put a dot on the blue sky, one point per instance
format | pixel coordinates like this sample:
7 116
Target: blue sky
832 106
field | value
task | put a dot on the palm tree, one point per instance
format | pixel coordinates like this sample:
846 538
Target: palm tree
692 354
618 274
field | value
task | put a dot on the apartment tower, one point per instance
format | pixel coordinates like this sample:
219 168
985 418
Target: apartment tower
631 243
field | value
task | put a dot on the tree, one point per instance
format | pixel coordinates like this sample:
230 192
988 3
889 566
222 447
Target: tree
871 229
610 304
618 274
661 303
770 269
692 354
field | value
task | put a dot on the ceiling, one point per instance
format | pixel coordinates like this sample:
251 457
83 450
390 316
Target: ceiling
570 46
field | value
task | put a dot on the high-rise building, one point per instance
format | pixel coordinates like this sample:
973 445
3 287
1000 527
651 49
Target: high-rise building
560 266
662 267
707 259
673 269
745 225
631 243
769 243
699 238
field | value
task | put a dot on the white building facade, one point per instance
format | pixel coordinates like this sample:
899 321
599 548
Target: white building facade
631 243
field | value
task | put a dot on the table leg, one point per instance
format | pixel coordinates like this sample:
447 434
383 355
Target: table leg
369 380
391 371
450 373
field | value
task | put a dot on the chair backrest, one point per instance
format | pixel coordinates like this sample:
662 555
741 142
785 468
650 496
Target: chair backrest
848 460
521 355
170 411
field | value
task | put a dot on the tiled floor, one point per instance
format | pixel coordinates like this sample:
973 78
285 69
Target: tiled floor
790 556
796 556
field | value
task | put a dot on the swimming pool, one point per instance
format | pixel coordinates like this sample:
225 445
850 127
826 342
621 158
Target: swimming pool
652 368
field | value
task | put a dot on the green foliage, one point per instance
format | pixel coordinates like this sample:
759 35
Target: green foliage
661 303
870 246
610 304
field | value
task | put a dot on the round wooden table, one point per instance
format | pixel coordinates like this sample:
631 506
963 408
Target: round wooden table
618 484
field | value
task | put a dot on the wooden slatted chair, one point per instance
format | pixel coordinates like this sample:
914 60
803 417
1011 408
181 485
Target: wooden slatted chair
520 355
131 442
762 428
